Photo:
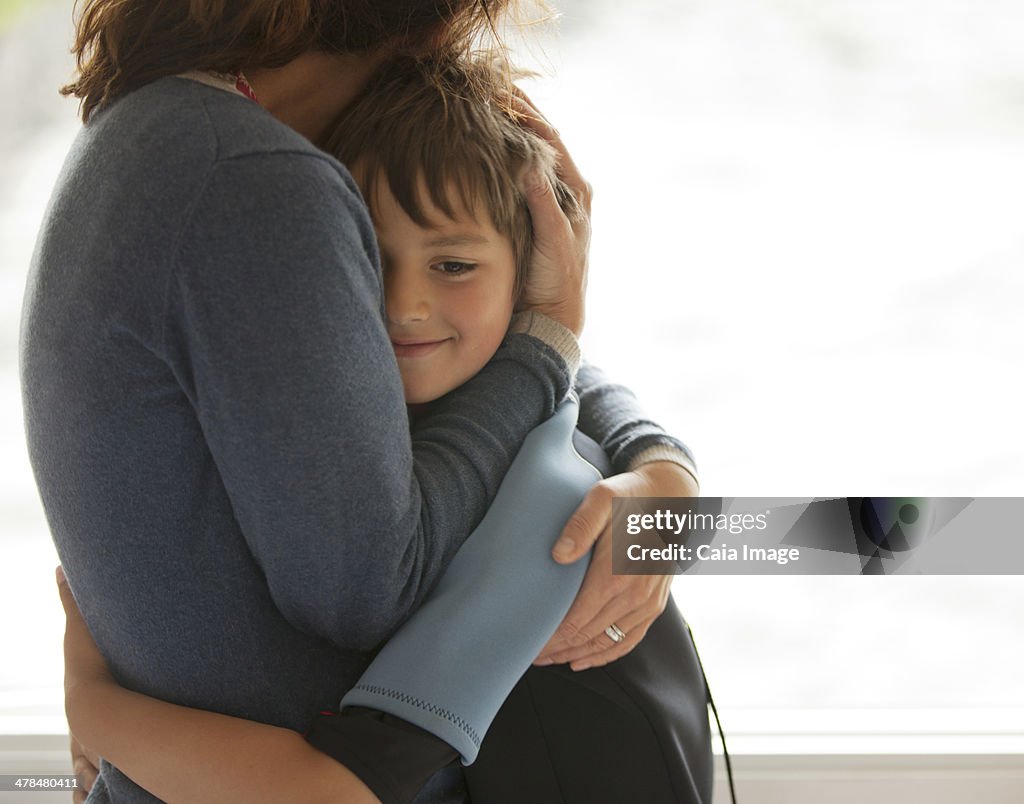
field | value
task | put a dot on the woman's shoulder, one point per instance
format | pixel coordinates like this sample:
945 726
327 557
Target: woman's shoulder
189 138
177 160
178 115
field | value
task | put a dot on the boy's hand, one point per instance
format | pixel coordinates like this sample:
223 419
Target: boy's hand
557 281
631 602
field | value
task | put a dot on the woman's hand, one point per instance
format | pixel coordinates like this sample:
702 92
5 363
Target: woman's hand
557 280
85 765
631 602
82 662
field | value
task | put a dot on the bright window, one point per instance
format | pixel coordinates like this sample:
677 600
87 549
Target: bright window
806 252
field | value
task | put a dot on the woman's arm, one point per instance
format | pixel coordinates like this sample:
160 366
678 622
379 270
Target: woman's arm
611 415
182 754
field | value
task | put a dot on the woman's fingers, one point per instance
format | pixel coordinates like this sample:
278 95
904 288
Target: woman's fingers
613 652
585 526
552 231
66 598
79 654
593 645
593 597
85 765
633 611
568 172
82 657
592 639
557 279
636 603
556 283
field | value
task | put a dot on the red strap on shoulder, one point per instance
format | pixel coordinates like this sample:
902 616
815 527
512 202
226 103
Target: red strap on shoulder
243 86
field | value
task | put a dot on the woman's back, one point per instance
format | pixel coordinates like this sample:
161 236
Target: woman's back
143 519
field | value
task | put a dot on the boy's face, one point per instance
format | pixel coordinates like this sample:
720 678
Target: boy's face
448 293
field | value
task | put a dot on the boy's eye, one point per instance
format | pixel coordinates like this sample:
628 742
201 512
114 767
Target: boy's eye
452 268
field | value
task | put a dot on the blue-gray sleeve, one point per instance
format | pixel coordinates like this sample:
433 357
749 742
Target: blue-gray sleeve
274 330
453 663
611 415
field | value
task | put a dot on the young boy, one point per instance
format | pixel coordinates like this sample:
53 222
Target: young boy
440 176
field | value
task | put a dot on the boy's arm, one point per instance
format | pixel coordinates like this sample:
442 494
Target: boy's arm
611 415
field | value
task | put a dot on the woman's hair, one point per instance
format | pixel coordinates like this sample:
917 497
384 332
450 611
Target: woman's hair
448 127
121 45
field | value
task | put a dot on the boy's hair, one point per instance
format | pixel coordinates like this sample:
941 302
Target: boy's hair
449 127
122 45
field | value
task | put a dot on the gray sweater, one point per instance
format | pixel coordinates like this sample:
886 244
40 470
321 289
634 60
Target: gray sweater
215 417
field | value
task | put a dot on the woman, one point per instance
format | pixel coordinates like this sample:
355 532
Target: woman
211 428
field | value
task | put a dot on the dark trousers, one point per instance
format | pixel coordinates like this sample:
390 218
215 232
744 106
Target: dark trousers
633 731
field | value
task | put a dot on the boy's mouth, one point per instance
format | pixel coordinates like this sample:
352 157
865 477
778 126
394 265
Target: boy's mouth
416 347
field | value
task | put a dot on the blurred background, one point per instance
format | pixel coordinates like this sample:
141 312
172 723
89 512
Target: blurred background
807 261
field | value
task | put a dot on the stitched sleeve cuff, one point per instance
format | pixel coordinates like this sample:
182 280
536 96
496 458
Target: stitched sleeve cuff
665 452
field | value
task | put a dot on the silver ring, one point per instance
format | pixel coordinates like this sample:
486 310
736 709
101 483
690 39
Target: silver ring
615 634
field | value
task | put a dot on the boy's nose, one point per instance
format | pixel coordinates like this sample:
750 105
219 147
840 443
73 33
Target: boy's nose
405 301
